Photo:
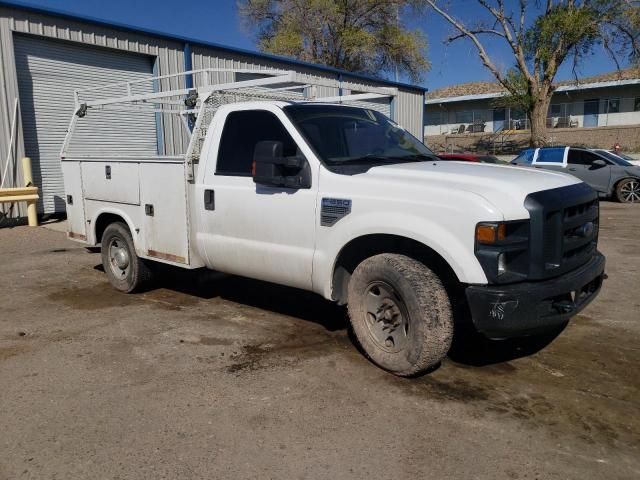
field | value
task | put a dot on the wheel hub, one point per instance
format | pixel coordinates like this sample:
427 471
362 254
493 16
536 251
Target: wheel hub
387 319
122 259
119 257
631 191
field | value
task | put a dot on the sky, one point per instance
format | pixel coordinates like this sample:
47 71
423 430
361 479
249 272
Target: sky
217 21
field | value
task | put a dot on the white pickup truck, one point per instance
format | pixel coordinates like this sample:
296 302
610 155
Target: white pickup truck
341 201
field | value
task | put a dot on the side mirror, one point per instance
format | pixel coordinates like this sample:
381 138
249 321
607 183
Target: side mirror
599 163
271 168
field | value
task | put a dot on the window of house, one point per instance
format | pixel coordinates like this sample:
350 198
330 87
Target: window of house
636 105
433 118
242 131
464 116
613 105
555 110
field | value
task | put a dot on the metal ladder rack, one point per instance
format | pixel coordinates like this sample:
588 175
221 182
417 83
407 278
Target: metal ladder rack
196 106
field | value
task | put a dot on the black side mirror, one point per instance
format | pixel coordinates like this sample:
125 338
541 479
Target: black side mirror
599 163
271 168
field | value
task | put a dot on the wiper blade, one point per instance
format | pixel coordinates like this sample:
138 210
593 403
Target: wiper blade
378 158
419 157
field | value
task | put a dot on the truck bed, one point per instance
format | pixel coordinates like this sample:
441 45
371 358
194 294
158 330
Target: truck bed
152 194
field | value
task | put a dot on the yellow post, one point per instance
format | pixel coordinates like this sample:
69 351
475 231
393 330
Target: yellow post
32 209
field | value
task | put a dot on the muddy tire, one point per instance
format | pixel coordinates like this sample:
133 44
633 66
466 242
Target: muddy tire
628 191
125 270
400 314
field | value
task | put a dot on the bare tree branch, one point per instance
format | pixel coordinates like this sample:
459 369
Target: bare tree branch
484 57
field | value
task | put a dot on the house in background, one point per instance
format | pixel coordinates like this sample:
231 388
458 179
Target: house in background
596 112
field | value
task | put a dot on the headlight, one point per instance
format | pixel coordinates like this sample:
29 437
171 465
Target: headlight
503 250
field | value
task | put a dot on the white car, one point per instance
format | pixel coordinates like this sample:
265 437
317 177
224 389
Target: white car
341 201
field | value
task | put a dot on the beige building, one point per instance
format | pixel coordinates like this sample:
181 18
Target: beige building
596 112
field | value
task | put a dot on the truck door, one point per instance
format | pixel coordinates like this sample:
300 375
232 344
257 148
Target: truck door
253 230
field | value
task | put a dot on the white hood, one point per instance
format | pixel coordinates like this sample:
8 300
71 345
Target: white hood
503 186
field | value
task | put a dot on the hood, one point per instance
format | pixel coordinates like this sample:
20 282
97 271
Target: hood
505 187
633 170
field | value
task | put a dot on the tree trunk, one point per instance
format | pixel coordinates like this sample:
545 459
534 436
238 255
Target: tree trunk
538 115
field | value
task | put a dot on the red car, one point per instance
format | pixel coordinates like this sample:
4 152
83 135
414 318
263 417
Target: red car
469 157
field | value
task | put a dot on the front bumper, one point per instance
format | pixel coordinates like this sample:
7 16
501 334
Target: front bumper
502 311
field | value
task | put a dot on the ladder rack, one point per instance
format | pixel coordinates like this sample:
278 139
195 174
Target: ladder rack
196 106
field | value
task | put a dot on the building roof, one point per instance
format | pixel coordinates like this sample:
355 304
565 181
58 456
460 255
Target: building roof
484 90
193 41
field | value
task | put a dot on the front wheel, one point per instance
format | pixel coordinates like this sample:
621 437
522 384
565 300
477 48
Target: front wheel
125 270
628 191
400 313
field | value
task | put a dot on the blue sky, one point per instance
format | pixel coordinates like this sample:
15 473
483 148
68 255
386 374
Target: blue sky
216 21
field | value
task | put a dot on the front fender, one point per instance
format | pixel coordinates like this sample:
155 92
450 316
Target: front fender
455 247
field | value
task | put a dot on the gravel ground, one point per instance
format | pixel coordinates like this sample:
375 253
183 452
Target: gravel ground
210 376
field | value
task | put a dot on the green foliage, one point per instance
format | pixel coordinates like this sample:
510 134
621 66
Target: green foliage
563 29
519 94
364 36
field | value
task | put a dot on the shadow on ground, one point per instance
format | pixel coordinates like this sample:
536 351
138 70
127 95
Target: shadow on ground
469 347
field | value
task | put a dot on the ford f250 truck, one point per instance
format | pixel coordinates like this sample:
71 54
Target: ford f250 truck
338 200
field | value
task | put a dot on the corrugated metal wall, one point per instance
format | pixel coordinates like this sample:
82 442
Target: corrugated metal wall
169 59
406 108
48 73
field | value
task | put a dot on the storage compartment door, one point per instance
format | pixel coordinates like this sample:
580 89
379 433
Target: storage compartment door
76 220
164 200
112 181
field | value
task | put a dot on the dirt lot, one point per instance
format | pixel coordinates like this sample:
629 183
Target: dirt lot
222 377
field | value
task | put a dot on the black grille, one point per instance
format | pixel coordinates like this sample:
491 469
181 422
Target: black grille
564 229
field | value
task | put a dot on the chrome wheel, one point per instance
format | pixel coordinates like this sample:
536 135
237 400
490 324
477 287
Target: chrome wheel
630 191
119 259
386 317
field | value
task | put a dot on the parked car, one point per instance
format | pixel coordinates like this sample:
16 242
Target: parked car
470 157
609 176
619 155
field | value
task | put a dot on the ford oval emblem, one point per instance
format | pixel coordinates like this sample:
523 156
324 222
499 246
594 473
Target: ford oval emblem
586 230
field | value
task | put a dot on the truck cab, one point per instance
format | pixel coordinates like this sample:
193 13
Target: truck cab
342 201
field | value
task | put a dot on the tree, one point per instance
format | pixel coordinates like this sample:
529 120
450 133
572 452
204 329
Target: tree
363 36
541 38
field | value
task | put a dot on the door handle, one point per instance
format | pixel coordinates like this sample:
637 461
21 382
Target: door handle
107 172
209 200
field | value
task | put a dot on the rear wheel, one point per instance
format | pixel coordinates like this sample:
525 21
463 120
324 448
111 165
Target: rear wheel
628 191
125 270
400 313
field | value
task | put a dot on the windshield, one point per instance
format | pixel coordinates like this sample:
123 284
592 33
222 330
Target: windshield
614 158
344 136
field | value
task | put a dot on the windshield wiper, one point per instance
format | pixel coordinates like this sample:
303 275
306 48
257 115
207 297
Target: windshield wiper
419 157
364 159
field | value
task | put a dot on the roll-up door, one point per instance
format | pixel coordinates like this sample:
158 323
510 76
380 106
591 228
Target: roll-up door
48 73
382 105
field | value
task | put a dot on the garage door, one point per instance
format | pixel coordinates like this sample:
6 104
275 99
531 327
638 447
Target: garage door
48 73
382 105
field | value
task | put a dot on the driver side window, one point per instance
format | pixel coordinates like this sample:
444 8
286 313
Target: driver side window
242 131
581 157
